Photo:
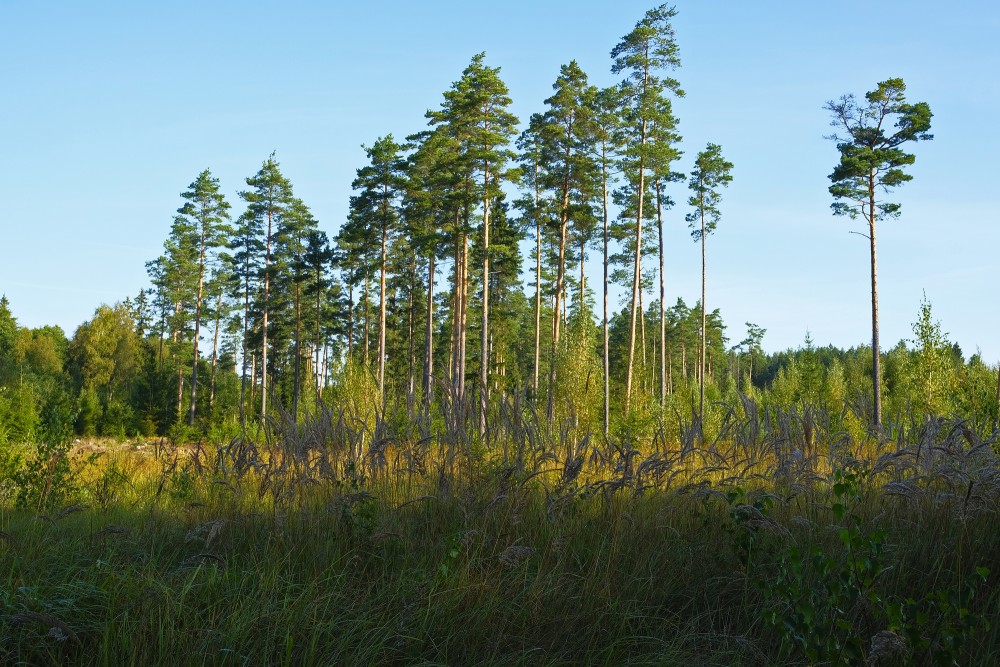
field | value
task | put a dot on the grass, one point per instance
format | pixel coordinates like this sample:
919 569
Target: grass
321 544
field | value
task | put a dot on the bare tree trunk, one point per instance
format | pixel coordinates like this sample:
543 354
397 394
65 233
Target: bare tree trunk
429 355
411 371
704 333
350 320
245 352
876 361
267 292
296 375
180 392
663 296
215 355
197 328
560 278
538 287
318 348
670 371
642 333
607 361
381 320
637 277
253 379
463 325
456 318
364 299
484 349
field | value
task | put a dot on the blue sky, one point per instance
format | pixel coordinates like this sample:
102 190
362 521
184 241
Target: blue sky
110 109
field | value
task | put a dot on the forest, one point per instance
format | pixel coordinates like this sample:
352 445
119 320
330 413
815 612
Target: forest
432 437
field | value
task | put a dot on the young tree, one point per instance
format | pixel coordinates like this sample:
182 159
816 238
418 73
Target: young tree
869 138
645 52
711 171
755 335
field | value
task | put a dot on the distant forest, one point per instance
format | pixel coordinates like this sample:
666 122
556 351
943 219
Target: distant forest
460 278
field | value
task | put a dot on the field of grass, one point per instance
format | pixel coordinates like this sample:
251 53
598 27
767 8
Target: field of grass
329 543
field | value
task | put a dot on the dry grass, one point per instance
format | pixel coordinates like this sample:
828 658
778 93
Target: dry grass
411 540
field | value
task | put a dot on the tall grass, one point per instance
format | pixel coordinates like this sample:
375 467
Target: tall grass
406 538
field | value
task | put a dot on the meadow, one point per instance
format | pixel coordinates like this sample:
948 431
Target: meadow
341 540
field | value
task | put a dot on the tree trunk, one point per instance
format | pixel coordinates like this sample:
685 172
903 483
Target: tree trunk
246 348
296 375
538 286
429 355
215 354
876 361
663 294
350 320
560 277
365 300
381 320
704 333
197 325
637 277
318 348
411 372
267 288
607 362
484 350
253 379
463 322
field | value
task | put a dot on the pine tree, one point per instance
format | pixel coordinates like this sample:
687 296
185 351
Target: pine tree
711 171
205 213
570 174
379 185
607 129
872 160
476 112
267 202
643 54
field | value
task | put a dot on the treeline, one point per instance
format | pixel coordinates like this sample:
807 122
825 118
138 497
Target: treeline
423 295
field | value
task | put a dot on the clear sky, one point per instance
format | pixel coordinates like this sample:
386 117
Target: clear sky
108 110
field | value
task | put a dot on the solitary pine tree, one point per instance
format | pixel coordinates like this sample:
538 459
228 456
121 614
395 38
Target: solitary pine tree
711 171
869 137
